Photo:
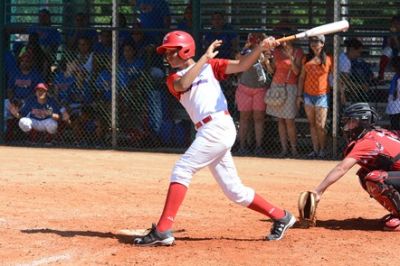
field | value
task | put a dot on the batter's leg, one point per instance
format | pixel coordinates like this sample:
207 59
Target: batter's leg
203 151
225 174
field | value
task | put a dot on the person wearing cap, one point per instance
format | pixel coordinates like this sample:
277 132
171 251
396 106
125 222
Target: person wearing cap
355 73
313 91
196 85
40 113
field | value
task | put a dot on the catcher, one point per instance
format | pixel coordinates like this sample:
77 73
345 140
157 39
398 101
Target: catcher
377 151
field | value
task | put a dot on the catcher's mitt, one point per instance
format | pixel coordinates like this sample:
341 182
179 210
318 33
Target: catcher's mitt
307 207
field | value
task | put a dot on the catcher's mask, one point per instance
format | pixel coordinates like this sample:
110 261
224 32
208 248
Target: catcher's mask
181 40
358 119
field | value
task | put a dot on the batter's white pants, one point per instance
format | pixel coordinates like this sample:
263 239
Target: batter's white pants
48 125
212 148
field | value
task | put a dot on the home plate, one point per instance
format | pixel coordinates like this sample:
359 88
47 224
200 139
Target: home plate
141 232
133 232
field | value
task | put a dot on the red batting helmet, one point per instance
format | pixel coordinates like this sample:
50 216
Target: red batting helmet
181 40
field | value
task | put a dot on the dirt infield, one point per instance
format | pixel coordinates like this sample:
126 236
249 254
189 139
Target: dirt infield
65 207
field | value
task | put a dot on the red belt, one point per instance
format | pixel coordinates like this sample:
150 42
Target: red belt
207 119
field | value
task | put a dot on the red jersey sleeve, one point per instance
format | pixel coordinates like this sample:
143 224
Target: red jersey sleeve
219 68
170 84
363 149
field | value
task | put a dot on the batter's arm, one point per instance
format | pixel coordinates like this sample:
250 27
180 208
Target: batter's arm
245 62
183 83
334 175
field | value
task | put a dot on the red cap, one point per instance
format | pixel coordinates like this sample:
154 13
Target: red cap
181 40
41 86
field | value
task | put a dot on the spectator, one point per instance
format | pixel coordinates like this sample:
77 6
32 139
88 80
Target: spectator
313 81
154 14
138 110
49 38
391 46
103 97
355 73
393 106
73 90
10 64
250 98
145 47
82 30
186 23
21 82
85 57
124 33
218 31
286 67
104 46
103 81
11 123
25 79
41 60
130 64
40 113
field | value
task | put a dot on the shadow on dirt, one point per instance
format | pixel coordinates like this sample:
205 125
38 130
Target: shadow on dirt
121 238
126 239
360 224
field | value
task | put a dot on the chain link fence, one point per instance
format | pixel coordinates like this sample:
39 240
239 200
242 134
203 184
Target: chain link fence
72 53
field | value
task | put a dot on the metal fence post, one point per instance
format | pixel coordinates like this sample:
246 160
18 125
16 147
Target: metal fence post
114 73
2 73
335 98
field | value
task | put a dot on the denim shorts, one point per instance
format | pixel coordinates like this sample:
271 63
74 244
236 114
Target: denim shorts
317 101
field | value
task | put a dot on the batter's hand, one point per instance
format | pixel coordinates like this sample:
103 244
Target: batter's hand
211 52
269 43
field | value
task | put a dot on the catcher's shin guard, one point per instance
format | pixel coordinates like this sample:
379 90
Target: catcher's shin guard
380 186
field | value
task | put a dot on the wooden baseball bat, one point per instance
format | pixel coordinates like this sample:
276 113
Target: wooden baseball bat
329 28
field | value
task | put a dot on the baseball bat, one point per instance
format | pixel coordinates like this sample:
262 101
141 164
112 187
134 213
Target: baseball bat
329 28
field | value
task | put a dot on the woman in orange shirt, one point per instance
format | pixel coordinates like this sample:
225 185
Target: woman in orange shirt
313 90
286 67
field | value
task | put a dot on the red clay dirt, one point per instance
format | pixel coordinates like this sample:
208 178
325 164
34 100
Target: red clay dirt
65 207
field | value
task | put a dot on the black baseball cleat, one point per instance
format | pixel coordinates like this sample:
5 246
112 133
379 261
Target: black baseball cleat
280 226
155 238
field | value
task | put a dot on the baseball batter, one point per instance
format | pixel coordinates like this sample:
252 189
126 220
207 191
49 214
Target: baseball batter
196 86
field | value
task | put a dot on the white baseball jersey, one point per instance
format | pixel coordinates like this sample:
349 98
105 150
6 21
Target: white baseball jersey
204 97
213 142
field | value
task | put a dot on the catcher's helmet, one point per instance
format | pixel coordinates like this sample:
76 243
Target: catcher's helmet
365 116
181 40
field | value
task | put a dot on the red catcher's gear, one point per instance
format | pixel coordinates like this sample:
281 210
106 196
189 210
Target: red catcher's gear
181 40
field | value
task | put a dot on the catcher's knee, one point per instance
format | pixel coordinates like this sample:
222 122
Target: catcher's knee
51 127
240 194
25 124
380 188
